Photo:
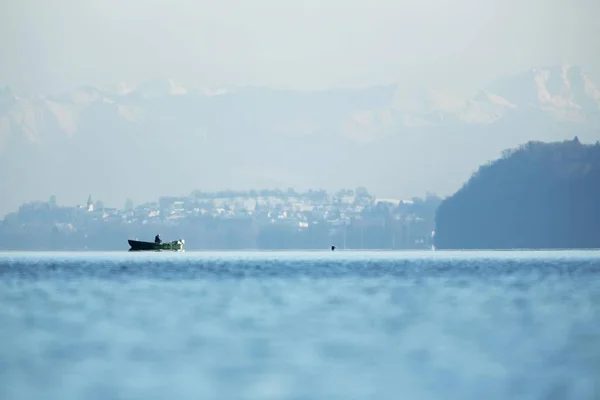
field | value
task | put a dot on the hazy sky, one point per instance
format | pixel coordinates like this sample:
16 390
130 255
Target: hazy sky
56 45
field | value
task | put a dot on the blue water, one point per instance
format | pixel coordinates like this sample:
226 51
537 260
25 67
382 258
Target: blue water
308 325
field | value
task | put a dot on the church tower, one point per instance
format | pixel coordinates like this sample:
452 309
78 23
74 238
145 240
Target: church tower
90 203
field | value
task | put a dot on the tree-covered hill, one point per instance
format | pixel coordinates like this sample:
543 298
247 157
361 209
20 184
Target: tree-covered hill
538 196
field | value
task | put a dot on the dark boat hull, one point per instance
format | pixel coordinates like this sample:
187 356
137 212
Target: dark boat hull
137 245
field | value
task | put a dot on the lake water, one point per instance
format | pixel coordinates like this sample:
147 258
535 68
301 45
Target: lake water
300 325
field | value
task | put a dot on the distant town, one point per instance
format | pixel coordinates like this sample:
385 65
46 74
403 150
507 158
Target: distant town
229 220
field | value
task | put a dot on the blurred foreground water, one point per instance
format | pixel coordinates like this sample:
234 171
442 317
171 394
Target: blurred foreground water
300 325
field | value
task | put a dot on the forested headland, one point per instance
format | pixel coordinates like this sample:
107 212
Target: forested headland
537 196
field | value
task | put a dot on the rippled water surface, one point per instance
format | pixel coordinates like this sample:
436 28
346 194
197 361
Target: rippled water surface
320 325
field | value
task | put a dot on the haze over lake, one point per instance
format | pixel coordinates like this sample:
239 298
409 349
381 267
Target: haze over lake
300 325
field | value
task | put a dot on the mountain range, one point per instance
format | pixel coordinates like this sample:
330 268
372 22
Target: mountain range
160 138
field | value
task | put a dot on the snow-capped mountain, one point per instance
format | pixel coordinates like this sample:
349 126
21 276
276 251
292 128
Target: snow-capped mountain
411 141
158 88
563 93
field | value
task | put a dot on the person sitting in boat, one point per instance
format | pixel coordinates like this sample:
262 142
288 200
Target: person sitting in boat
157 239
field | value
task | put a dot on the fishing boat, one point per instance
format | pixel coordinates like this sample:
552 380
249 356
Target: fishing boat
137 245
